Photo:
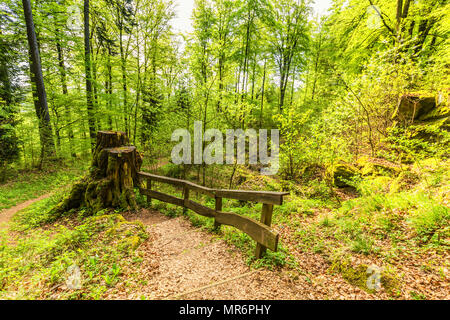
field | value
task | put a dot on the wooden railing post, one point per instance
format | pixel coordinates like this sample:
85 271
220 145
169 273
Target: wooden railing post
266 218
218 207
186 199
149 187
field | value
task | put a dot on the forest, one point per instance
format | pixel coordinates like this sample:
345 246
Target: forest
92 93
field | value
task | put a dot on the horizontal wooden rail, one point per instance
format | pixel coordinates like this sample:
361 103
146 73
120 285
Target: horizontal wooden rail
256 196
162 197
258 231
200 209
269 197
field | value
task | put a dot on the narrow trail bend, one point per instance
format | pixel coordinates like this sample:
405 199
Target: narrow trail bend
7 214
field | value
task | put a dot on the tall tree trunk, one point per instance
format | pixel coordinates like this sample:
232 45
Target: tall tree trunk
316 66
262 93
65 91
284 78
124 80
109 88
219 101
40 96
292 88
95 87
253 77
246 54
138 90
87 66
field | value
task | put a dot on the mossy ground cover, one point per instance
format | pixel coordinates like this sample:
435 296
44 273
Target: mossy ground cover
37 253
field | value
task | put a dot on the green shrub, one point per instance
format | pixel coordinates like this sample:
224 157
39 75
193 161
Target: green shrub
431 219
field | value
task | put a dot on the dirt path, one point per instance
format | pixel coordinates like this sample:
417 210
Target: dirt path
6 214
194 264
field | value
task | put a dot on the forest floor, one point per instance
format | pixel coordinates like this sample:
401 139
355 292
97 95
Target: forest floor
195 264
324 252
7 214
187 262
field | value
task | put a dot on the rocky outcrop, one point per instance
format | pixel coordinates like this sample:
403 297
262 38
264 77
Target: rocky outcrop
424 109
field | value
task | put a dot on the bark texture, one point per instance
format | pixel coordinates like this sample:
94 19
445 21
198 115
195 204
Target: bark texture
111 177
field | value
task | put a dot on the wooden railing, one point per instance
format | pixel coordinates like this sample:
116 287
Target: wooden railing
259 231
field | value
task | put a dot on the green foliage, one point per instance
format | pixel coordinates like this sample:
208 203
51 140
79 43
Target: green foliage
431 222
379 214
418 142
331 85
9 142
42 257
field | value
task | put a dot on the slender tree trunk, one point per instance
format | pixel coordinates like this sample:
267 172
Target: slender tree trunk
253 76
284 78
95 87
316 66
262 93
40 96
246 53
219 102
138 90
124 80
109 89
87 65
65 91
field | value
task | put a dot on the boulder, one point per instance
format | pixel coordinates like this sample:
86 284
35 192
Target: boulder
374 166
413 106
342 172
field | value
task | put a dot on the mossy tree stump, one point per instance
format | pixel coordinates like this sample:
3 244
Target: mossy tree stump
111 177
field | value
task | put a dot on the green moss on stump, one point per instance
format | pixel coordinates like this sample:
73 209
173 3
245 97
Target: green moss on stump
111 177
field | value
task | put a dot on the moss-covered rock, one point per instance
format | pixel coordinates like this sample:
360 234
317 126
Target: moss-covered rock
374 167
413 106
424 110
342 173
442 110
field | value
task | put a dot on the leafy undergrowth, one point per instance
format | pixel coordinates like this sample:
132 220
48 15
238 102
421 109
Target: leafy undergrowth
42 262
28 185
398 224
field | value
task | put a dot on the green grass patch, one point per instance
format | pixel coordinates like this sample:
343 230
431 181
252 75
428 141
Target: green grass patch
29 185
36 264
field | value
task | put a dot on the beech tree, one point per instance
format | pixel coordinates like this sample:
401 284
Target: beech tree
37 80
